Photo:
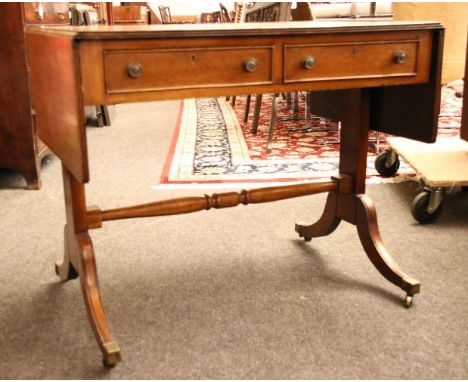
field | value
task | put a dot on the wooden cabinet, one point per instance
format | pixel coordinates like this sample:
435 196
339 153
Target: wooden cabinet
130 14
20 147
46 13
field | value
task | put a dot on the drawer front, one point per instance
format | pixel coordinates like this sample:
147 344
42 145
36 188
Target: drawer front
165 69
353 60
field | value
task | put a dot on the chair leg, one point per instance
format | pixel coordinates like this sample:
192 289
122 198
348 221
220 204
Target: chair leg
274 106
289 100
233 101
258 105
247 108
294 104
296 108
308 110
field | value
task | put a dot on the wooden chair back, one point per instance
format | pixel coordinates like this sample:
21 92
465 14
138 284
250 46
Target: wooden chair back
153 17
206 17
268 12
225 16
239 14
216 16
165 12
303 12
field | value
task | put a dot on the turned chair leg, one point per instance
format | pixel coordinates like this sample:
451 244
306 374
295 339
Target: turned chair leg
289 101
258 105
247 108
271 130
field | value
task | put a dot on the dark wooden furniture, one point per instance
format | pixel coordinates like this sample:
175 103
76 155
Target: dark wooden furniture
206 18
130 14
167 18
225 15
165 13
266 12
134 64
302 12
20 147
464 124
45 13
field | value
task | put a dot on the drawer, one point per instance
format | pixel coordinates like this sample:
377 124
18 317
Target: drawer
185 68
351 60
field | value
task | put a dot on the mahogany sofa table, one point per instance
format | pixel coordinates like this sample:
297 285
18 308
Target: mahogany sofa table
383 76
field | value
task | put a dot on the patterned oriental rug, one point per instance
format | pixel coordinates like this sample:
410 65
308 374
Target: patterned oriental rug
212 144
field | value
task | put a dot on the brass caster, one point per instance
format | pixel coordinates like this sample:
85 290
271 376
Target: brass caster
108 364
408 301
111 354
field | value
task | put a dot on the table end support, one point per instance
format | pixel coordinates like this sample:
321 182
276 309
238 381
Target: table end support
329 220
94 306
368 231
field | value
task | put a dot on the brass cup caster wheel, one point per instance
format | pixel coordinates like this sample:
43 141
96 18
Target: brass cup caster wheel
419 208
385 164
108 364
408 301
111 354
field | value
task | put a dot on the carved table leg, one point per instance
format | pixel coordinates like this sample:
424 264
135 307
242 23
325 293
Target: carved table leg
358 208
79 260
96 314
351 204
368 230
327 223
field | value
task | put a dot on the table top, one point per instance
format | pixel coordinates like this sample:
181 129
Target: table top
208 60
245 29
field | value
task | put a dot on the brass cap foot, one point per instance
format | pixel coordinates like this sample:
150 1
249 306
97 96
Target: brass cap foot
111 354
411 286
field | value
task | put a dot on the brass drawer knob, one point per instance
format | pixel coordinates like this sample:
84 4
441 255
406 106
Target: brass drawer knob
250 65
400 57
134 70
308 62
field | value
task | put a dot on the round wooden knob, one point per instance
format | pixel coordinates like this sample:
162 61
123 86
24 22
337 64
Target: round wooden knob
135 70
308 62
250 65
400 57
